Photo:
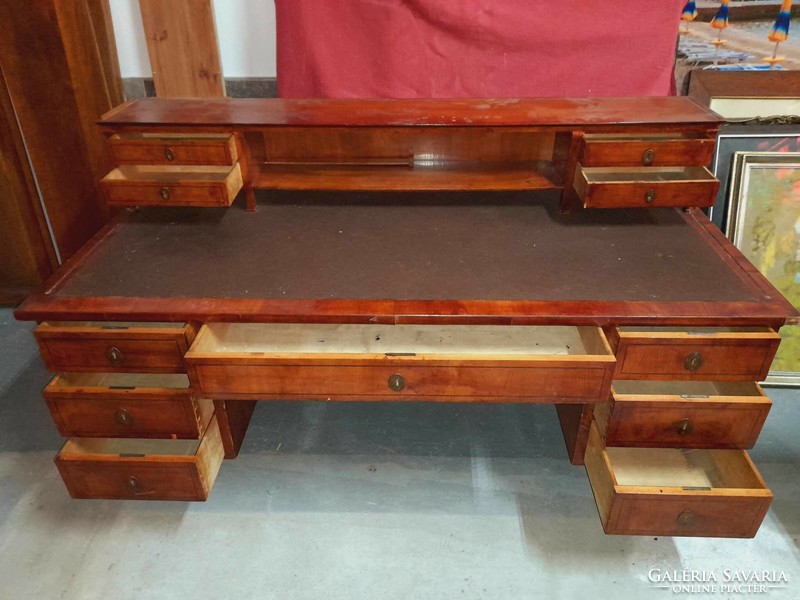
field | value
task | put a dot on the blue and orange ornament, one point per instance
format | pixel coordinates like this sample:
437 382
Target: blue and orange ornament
688 15
780 31
720 22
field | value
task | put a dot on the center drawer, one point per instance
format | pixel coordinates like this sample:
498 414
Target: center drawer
401 362
142 469
701 353
100 346
126 405
667 491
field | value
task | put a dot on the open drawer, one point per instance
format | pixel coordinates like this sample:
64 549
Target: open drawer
139 185
142 469
174 148
666 491
126 405
683 414
99 346
401 362
701 353
645 187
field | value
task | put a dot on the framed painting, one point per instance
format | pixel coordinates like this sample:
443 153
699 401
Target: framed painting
752 138
764 223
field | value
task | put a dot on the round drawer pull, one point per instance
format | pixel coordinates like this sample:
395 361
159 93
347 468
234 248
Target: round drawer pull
650 196
693 362
124 417
397 382
134 484
169 154
685 427
114 356
648 157
164 192
686 518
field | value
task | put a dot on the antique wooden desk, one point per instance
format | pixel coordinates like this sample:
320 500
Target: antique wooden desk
425 250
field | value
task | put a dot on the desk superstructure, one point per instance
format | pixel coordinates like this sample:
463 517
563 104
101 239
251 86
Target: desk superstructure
548 251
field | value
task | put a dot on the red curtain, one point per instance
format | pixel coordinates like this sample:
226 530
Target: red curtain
475 48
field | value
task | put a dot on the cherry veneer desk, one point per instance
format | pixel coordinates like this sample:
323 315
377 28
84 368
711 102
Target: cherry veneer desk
429 250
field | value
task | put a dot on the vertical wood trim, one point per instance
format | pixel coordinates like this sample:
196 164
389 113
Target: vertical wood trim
27 256
106 41
182 45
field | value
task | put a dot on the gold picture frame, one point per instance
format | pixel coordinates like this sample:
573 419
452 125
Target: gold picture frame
764 223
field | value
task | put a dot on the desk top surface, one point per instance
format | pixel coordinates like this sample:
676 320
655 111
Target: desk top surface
254 112
389 257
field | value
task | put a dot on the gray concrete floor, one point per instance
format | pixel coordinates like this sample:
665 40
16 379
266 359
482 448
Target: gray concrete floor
359 501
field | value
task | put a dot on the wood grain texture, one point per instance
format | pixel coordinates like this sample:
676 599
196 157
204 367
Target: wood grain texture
105 406
88 474
575 420
234 418
154 149
55 76
628 151
675 113
182 45
680 415
732 505
28 257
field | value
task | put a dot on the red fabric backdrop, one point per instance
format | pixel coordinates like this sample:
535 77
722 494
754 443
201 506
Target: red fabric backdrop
476 48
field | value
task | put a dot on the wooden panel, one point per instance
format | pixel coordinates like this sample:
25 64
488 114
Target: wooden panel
638 114
105 40
165 149
141 469
658 150
684 414
233 418
126 405
22 224
645 187
113 348
55 76
172 186
710 493
182 44
702 354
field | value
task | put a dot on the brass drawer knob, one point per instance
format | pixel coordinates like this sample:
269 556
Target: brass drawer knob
648 157
397 382
164 192
114 356
650 196
685 427
169 154
133 484
686 518
124 417
693 362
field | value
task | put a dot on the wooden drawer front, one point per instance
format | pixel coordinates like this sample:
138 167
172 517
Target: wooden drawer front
114 347
645 150
719 355
142 469
167 149
660 491
172 186
401 362
126 405
645 187
690 414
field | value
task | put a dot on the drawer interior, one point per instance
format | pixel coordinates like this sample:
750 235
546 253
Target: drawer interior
686 389
128 448
645 174
282 338
688 469
128 381
160 173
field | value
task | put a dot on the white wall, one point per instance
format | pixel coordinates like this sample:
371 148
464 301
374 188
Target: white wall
245 29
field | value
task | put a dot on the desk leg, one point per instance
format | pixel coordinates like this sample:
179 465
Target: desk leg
245 163
233 417
575 422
